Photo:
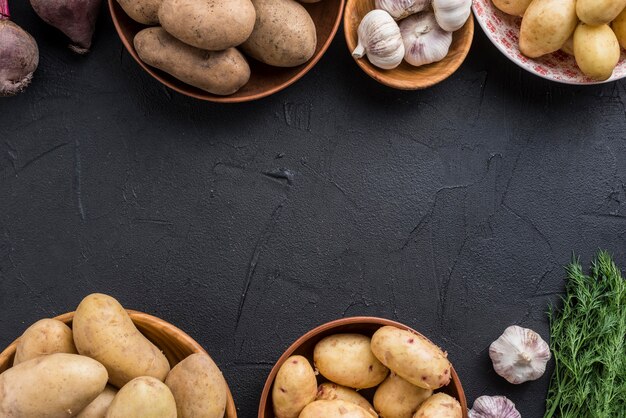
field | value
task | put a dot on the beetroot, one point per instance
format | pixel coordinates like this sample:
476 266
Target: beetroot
19 55
75 18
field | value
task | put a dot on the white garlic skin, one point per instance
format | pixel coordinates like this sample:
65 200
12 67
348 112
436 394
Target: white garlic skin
424 41
452 14
380 40
519 355
399 9
494 407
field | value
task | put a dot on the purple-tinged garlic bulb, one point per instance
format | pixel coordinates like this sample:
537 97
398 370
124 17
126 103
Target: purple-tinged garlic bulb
494 407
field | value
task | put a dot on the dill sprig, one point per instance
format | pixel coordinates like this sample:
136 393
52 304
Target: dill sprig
588 338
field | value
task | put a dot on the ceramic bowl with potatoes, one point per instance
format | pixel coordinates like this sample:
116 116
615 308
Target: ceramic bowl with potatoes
363 367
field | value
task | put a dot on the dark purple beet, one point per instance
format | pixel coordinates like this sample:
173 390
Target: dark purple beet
19 55
75 18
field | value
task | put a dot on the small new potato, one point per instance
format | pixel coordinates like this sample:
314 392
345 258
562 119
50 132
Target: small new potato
546 26
440 405
284 34
599 12
596 50
98 407
214 25
50 386
412 357
142 11
294 388
333 409
397 398
143 397
619 27
199 387
513 7
104 331
220 73
568 46
47 336
332 391
346 359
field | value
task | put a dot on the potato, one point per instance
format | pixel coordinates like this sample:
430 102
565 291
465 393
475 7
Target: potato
346 359
412 357
104 331
198 387
512 7
98 407
220 73
599 12
546 26
143 397
568 46
50 386
440 405
294 388
284 34
596 50
47 336
142 11
333 391
213 25
619 27
397 398
333 409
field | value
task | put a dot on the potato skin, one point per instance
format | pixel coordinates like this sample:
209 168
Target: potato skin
220 73
596 50
47 336
412 357
142 11
50 386
104 331
214 25
619 27
333 391
346 359
397 398
599 12
440 405
284 34
546 26
143 397
199 387
512 7
333 409
294 388
99 406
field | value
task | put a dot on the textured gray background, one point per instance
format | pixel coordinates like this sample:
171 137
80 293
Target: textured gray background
452 210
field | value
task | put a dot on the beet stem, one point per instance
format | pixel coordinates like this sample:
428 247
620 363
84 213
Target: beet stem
4 10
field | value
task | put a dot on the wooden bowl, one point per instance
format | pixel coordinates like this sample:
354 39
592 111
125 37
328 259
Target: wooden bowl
406 76
360 325
265 79
175 344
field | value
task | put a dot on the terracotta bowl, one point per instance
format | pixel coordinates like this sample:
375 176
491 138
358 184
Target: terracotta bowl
361 325
175 344
406 76
265 79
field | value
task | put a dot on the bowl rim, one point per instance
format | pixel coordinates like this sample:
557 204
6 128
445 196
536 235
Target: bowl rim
372 320
228 99
154 322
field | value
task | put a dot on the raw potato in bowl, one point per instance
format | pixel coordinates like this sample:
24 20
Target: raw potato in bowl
332 391
333 409
46 336
295 387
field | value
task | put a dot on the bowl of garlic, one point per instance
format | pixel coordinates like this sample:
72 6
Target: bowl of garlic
409 44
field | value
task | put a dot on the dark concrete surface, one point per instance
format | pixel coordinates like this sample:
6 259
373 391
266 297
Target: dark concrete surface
452 210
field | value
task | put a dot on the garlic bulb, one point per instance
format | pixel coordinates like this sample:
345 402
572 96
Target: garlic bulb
519 355
494 407
399 9
380 39
424 41
452 14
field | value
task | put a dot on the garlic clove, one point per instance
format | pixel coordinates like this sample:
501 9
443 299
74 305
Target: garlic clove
494 407
380 39
399 9
519 355
424 41
452 14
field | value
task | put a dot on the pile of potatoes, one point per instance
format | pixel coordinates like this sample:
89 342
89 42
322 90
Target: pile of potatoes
199 41
404 368
105 368
590 30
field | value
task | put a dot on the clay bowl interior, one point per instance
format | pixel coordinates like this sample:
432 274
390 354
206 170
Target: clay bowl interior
175 344
406 76
361 325
265 80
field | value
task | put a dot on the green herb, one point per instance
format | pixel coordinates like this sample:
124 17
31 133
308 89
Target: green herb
588 337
